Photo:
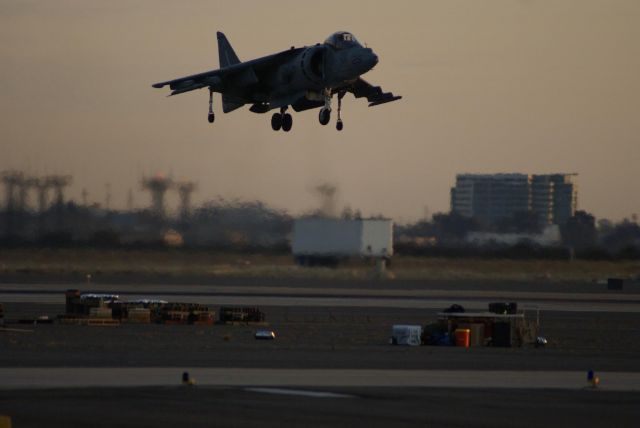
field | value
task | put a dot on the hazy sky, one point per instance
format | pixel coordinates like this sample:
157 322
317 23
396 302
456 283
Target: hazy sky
488 86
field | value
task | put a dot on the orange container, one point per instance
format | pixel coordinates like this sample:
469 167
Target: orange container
462 337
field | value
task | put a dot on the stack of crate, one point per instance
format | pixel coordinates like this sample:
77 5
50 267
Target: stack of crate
230 315
139 315
100 312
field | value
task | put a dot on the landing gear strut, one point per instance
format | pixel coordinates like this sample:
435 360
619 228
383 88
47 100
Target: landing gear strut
211 117
339 124
282 120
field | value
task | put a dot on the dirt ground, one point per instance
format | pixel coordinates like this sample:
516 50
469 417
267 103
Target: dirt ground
204 265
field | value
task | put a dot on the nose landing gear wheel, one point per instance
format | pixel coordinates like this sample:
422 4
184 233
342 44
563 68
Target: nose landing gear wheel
276 121
211 117
287 122
339 125
324 116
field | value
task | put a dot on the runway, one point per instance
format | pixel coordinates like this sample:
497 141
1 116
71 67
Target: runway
333 297
28 378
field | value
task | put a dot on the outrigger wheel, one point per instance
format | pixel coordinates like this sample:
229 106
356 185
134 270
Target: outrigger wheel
211 117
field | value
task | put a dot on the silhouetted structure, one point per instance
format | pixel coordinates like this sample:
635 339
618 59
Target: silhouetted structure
12 181
327 193
42 186
185 189
158 186
58 183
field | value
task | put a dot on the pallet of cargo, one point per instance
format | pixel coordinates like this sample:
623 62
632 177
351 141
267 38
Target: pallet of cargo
88 321
103 322
241 315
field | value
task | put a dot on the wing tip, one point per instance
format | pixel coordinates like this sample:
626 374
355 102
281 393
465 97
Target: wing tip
158 85
385 100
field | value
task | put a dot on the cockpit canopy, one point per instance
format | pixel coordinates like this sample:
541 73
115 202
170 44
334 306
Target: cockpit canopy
342 40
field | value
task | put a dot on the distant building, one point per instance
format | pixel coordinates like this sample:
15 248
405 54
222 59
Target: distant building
549 236
565 197
491 198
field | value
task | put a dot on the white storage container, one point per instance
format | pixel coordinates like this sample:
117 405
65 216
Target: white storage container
406 335
325 237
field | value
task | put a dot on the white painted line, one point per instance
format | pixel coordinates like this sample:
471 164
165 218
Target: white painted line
300 392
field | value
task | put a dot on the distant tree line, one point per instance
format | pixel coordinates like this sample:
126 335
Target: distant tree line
581 236
253 226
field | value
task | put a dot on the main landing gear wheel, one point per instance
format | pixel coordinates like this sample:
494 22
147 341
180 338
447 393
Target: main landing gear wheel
339 125
211 117
324 116
276 121
287 122
282 121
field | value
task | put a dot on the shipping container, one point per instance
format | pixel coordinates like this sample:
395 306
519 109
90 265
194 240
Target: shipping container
324 239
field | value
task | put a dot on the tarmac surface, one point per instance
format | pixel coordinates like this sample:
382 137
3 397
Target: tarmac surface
369 407
331 363
387 294
82 377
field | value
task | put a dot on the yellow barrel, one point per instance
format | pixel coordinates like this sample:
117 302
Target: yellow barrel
463 337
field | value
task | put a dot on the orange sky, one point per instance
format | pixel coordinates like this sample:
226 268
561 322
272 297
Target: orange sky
490 86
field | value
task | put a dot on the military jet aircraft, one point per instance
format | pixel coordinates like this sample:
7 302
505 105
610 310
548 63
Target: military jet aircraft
303 78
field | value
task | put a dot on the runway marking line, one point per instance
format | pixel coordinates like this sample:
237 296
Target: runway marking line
299 392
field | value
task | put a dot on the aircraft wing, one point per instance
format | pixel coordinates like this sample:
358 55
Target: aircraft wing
239 75
190 83
361 88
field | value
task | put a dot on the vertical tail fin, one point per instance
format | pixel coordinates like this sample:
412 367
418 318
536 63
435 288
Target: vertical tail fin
225 51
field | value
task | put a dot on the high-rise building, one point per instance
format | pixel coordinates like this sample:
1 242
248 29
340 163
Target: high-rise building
565 197
542 198
491 198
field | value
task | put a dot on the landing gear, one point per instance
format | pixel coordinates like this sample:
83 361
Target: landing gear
282 121
276 121
339 124
287 122
211 117
324 116
325 112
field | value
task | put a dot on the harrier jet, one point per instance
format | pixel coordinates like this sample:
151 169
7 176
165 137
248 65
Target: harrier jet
303 78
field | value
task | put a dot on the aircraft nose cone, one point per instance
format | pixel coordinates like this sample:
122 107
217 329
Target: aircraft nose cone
371 58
